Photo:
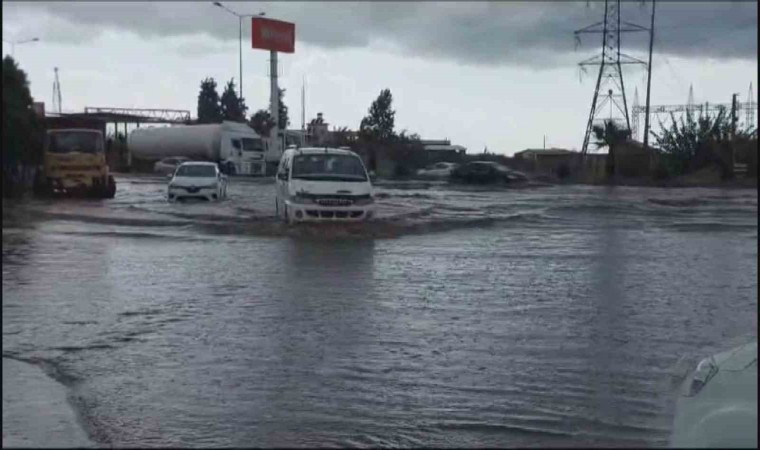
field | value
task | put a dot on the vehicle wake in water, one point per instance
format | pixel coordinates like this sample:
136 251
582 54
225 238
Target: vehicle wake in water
460 317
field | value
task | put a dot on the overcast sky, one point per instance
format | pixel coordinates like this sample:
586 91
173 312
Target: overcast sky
500 74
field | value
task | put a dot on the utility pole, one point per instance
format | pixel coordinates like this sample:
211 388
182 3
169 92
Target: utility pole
240 40
733 115
303 104
274 105
635 121
609 63
14 43
750 112
56 93
649 81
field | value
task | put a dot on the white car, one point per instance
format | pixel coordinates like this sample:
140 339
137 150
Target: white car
440 170
717 405
169 165
201 180
323 184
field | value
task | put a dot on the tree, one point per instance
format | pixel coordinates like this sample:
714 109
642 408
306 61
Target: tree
342 137
209 107
698 141
21 128
262 122
283 121
233 108
379 122
610 136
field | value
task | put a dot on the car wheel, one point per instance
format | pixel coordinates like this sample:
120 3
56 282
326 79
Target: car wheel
285 217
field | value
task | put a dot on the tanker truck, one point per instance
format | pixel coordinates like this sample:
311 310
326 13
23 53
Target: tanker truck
236 147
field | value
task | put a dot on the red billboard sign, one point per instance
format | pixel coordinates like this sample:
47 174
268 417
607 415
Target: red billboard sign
274 35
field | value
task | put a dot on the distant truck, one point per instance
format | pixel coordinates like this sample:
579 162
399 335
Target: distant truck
236 147
74 159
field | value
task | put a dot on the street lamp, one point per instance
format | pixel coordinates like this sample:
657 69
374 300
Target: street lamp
13 44
240 20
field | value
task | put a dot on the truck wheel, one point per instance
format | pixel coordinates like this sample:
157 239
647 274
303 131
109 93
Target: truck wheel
109 190
40 185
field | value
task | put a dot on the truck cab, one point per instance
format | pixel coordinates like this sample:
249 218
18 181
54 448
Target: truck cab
244 154
323 184
74 162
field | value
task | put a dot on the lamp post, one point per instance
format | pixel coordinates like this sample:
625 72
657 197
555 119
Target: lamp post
240 23
13 44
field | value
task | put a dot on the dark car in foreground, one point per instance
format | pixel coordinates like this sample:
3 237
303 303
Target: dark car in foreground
483 172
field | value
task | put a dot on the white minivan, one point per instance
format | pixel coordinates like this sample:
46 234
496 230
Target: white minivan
323 184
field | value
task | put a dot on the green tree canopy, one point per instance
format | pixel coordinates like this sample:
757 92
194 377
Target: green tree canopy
209 104
694 142
610 135
262 122
20 123
233 108
379 123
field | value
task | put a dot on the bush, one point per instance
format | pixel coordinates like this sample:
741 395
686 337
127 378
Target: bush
563 171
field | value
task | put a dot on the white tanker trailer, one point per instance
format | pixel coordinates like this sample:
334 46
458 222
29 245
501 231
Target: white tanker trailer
236 146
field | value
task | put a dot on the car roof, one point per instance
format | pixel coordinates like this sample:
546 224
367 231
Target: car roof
198 163
321 150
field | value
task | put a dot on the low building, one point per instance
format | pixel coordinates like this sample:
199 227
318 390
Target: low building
442 151
547 161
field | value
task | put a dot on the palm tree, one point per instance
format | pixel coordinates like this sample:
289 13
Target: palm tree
610 136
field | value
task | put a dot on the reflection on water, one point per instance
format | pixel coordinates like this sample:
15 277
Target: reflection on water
468 317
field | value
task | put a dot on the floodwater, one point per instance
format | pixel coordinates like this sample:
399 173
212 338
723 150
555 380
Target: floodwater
553 316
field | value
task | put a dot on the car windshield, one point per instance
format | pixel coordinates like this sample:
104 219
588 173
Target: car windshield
253 145
328 167
192 170
75 141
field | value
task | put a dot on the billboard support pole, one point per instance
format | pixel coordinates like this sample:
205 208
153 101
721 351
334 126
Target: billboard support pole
274 102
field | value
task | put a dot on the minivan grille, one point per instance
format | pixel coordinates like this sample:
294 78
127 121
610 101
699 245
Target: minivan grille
334 201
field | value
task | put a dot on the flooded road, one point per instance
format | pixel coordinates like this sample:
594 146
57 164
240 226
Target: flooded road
461 317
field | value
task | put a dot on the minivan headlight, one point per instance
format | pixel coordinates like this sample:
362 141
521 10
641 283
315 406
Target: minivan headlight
302 198
364 199
705 371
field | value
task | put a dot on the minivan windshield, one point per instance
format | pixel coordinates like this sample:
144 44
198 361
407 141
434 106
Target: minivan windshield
196 171
328 167
75 141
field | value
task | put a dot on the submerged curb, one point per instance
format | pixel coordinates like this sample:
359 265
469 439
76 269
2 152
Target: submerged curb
36 413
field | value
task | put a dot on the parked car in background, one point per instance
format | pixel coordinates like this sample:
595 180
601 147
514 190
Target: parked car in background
717 405
169 165
197 179
483 172
323 184
439 170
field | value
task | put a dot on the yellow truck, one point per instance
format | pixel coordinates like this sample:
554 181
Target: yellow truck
74 161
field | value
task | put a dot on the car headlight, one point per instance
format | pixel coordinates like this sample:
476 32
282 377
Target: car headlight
705 371
301 198
364 199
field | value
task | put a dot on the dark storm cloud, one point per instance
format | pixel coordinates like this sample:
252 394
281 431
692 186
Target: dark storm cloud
500 33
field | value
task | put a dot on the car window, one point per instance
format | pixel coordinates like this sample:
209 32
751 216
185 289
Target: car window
328 166
193 170
236 144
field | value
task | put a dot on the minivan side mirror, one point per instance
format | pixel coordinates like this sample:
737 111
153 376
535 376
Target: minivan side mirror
170 175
